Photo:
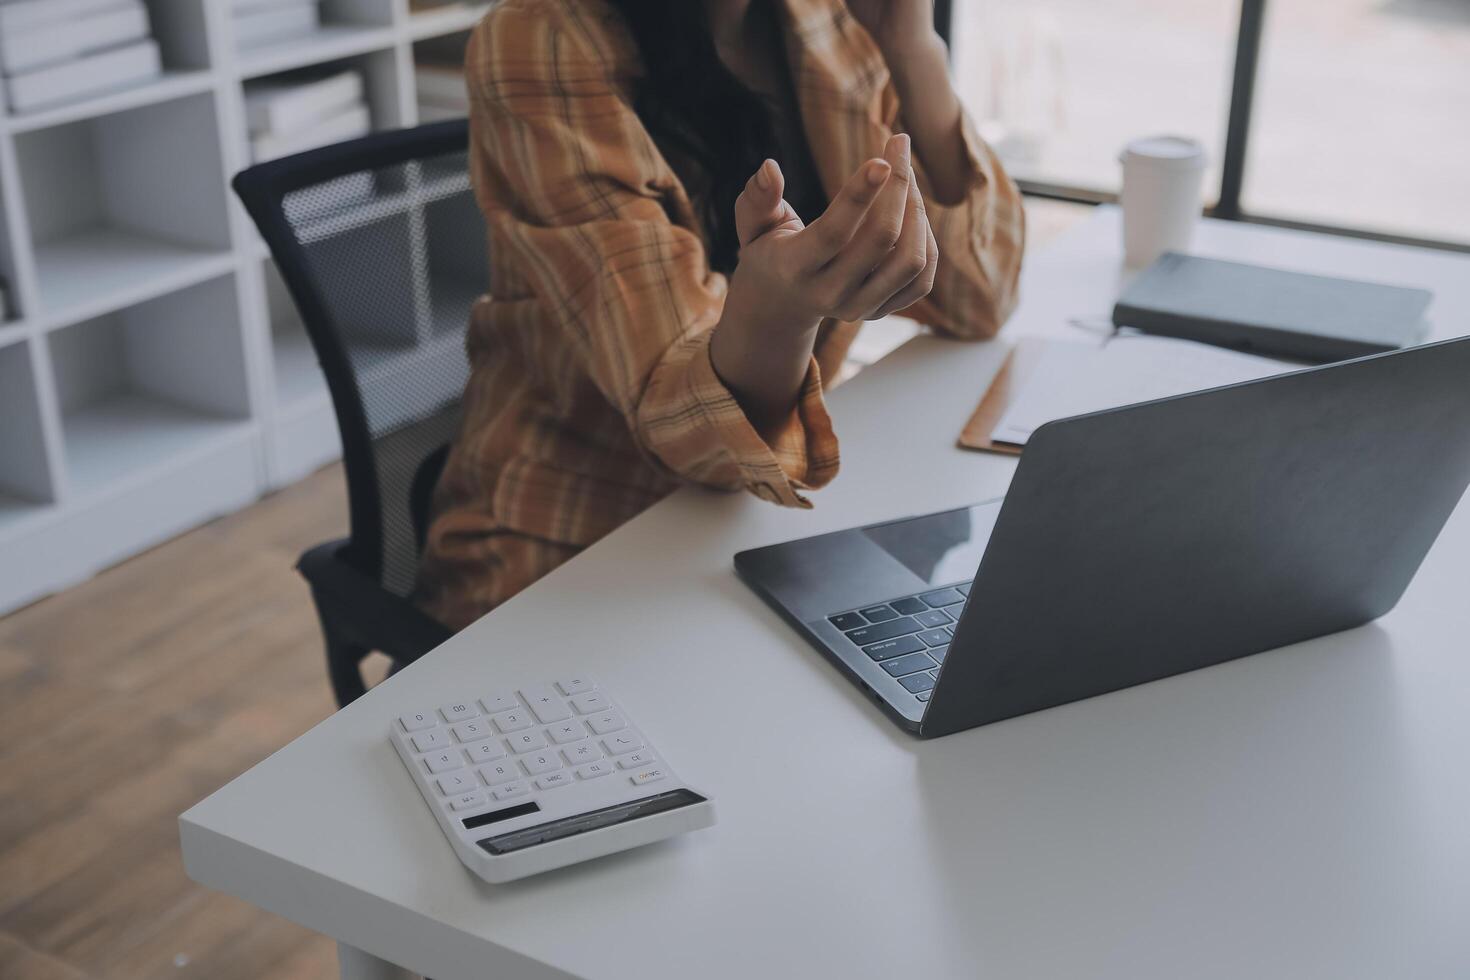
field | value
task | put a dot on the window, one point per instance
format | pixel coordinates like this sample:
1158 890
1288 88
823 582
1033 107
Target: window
1358 121
1058 86
1362 116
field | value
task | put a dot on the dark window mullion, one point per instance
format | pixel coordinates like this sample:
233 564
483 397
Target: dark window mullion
944 19
1242 96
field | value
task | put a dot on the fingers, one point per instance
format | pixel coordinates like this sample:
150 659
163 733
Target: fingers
899 268
829 234
883 224
921 285
760 206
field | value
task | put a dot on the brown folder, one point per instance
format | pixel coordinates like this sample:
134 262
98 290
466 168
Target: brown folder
1014 372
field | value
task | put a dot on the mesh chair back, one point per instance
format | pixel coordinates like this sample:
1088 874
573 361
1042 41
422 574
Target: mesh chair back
382 248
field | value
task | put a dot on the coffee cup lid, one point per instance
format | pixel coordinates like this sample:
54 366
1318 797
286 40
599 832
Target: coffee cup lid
1164 151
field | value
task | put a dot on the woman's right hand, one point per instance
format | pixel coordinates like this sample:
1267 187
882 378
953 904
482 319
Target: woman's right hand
869 254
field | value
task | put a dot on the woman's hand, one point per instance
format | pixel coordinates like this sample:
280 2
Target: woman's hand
897 25
870 253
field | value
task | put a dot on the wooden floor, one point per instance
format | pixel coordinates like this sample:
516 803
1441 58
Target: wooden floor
126 699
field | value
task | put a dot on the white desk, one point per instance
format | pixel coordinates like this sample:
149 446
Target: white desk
1298 814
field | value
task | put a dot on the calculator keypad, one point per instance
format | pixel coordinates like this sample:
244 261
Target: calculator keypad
506 745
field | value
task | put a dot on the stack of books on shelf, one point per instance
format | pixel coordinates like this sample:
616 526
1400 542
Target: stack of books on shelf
261 22
441 92
301 111
57 51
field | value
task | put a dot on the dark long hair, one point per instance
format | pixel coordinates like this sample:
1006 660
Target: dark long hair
691 102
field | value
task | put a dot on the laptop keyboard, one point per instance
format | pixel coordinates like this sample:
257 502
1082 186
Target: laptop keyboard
908 637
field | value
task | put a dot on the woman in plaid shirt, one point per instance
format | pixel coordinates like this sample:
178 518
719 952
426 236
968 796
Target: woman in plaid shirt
692 205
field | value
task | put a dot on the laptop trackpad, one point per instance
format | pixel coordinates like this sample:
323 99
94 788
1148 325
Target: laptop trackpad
941 548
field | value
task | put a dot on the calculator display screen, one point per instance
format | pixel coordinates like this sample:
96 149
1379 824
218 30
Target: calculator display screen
581 823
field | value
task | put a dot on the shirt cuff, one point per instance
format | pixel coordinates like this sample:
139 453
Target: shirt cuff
801 453
979 165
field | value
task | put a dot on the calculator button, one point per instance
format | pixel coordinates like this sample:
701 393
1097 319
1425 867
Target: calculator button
486 751
580 753
445 761
636 760
454 783
526 741
545 703
417 721
608 721
500 772
879 614
622 742
428 741
469 801
575 685
512 721
566 731
847 621
499 701
511 790
538 762
648 775
472 731
587 703
909 606
594 769
555 779
459 711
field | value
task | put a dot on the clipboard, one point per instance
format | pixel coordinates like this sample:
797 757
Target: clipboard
1012 376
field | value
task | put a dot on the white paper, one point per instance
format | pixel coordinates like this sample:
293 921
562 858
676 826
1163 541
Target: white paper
1076 377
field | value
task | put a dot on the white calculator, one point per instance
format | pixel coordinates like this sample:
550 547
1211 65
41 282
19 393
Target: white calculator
523 781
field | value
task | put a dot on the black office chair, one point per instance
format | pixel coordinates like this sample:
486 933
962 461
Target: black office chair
382 248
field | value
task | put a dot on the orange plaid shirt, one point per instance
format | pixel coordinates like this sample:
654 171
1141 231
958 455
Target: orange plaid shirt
591 393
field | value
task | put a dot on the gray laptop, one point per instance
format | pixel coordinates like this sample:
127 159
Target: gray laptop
1145 541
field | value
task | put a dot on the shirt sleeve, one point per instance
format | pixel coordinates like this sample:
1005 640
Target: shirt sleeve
981 239
573 185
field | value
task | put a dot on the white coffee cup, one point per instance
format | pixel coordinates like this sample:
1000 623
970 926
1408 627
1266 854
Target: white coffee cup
1163 178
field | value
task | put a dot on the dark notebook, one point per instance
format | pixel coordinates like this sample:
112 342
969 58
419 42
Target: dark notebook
1268 311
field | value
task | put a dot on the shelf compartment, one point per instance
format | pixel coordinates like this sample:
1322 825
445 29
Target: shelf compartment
178 28
25 475
98 270
150 385
125 206
438 68
330 42
171 85
379 73
447 18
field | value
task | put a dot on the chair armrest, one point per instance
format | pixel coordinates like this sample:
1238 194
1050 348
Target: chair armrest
370 614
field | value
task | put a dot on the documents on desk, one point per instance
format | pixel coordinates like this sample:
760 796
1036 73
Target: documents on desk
1068 378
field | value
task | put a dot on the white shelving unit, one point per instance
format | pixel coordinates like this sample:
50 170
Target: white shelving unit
155 375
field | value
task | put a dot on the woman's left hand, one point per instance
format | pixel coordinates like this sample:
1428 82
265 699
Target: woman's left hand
897 25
